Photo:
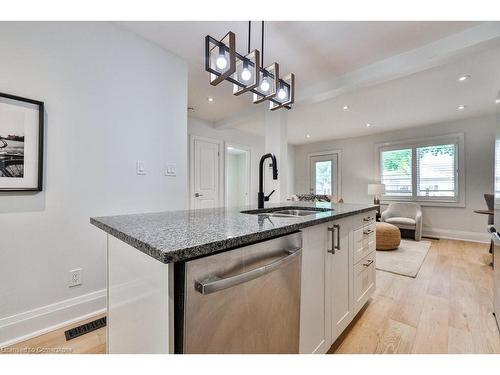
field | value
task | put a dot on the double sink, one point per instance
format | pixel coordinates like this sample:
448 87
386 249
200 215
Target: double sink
291 211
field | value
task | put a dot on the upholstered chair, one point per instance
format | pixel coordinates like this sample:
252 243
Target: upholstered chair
406 216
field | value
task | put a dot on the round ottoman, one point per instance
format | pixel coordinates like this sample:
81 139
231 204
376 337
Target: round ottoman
388 236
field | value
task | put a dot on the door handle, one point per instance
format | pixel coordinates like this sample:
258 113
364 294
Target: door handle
332 230
337 226
215 284
196 195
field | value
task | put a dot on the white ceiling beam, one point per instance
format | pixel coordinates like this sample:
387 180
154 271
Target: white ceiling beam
440 52
437 53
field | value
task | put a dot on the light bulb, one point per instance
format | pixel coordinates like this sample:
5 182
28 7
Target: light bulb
264 86
221 62
246 74
281 94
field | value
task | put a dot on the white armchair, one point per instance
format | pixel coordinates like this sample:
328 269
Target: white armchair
405 216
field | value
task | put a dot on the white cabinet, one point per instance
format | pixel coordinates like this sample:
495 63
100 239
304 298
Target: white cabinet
312 304
339 278
364 281
363 241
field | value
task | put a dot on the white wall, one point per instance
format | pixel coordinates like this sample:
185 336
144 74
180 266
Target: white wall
255 143
111 99
358 161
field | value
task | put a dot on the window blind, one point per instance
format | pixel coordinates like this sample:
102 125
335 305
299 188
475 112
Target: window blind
436 171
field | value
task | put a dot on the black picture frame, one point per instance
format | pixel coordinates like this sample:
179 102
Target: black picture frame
41 127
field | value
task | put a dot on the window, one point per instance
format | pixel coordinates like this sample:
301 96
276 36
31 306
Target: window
324 177
397 172
424 170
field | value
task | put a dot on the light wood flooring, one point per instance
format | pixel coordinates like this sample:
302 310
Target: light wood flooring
447 308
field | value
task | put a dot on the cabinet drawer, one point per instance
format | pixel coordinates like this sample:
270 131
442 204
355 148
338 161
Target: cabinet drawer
364 280
364 241
366 218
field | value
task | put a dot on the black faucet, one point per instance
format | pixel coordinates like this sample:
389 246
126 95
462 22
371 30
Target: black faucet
261 197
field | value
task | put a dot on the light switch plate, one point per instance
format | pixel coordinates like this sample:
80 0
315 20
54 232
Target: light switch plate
140 168
171 169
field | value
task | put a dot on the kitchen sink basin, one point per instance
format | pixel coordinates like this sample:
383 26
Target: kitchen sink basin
298 212
287 211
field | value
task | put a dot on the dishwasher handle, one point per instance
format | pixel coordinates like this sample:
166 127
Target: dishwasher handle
215 284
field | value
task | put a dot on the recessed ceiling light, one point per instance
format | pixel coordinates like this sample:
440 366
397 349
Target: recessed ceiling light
463 78
461 107
368 124
308 136
230 148
497 101
210 99
345 108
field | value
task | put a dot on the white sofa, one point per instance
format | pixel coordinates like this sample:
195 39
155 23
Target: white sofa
405 216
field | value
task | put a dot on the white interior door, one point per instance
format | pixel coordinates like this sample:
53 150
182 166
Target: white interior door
324 174
205 185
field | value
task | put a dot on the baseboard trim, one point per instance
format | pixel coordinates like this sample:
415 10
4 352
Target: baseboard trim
36 322
456 235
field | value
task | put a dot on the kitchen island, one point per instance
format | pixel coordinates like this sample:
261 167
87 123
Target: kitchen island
146 251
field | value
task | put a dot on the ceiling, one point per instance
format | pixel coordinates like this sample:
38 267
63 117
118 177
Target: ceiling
326 51
312 50
427 97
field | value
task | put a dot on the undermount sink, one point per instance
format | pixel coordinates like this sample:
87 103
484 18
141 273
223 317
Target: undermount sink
287 211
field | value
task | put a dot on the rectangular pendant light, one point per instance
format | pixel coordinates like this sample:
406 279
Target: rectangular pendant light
268 84
285 95
220 57
247 72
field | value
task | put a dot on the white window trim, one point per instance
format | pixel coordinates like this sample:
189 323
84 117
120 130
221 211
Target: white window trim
455 138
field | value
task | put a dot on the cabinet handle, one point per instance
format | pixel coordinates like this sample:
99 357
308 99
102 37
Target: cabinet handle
367 264
337 227
332 230
368 218
368 232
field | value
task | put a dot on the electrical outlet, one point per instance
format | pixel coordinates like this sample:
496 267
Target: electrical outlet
75 277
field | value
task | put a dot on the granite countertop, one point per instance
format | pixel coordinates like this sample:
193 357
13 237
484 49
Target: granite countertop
174 236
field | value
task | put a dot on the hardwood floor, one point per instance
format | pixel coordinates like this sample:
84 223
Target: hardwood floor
55 342
447 308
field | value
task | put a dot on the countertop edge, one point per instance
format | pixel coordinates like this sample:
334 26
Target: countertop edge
216 246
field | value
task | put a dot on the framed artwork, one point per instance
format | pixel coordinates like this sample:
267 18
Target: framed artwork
21 143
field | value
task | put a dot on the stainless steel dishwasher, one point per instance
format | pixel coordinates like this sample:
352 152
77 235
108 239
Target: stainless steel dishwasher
245 300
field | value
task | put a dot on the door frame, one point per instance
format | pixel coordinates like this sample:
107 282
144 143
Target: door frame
220 143
249 168
324 153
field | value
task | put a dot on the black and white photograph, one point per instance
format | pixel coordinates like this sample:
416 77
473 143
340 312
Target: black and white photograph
21 143
12 149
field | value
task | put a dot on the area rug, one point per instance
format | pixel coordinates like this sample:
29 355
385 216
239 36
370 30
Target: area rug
406 260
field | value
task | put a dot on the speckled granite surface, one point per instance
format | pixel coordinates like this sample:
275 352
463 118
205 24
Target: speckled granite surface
174 236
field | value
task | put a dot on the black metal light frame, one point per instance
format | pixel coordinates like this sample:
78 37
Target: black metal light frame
210 40
283 82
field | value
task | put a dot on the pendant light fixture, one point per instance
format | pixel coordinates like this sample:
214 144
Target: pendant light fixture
247 73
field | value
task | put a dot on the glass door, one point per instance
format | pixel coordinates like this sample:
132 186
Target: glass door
324 177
